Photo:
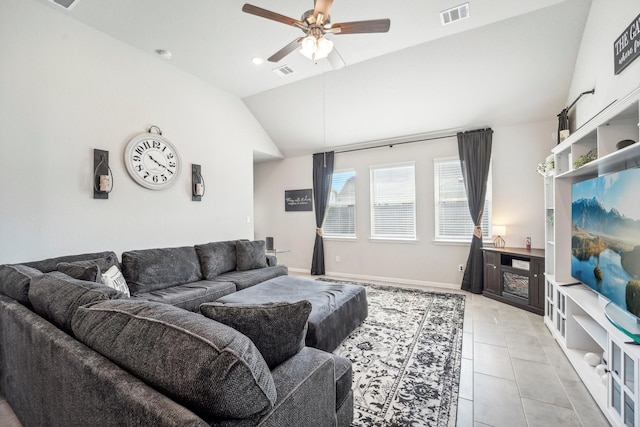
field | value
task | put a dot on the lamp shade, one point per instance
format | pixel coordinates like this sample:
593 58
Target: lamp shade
499 230
324 47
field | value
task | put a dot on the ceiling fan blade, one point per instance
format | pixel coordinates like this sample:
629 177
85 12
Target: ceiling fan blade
371 26
335 59
322 6
285 50
264 13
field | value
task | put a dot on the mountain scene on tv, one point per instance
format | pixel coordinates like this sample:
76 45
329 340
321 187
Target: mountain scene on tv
605 237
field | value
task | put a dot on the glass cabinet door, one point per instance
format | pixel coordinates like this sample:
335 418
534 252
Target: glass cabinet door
623 371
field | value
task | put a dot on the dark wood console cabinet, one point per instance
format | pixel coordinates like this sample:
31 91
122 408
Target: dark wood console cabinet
515 276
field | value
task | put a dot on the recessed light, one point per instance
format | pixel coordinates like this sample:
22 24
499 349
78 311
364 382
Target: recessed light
164 54
257 60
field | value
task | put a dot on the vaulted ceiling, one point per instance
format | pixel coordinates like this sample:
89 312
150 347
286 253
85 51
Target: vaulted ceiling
510 62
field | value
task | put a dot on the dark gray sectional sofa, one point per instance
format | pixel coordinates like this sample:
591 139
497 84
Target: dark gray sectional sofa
74 352
191 275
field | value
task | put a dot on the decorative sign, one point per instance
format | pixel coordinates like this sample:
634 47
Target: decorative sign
298 200
626 48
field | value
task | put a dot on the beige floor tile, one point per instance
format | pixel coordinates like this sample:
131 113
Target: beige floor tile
540 414
496 402
492 360
538 381
584 405
466 379
525 347
486 314
489 333
465 413
467 345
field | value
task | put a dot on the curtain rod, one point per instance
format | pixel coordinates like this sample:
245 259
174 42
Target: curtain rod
391 144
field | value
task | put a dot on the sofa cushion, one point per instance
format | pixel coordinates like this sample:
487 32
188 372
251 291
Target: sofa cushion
216 258
56 296
250 255
14 281
202 364
150 269
277 329
50 264
81 270
89 269
190 295
248 278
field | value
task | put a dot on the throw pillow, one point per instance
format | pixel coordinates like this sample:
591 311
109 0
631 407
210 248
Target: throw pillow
207 366
56 296
277 329
81 270
15 280
250 255
217 258
148 270
113 278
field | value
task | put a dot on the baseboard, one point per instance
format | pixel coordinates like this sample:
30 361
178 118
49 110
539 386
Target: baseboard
364 278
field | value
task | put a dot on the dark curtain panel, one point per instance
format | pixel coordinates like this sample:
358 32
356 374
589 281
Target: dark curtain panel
322 177
474 148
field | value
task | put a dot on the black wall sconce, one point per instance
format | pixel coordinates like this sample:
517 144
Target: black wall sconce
102 176
197 186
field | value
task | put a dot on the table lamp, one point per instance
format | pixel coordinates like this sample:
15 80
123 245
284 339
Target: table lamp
499 231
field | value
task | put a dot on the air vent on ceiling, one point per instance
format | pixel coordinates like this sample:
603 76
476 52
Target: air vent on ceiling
283 71
454 14
67 4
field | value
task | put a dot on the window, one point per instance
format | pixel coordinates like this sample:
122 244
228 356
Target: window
393 201
340 220
453 221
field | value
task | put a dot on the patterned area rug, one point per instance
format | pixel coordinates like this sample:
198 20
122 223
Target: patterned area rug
406 358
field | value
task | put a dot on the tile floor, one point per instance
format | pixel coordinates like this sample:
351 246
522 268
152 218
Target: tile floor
513 373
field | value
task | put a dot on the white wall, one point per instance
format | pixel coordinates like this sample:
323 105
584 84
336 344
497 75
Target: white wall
594 65
67 89
518 204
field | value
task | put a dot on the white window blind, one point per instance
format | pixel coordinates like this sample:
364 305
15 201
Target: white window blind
453 220
393 201
340 220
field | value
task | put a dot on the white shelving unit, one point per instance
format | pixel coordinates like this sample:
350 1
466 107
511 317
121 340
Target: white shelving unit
574 313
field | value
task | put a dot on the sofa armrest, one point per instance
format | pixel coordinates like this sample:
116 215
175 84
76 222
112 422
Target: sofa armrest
306 391
272 260
49 378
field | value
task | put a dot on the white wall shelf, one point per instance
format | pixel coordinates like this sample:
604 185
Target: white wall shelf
574 313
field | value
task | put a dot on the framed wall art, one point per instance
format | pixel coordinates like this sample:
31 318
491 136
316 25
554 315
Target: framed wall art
298 200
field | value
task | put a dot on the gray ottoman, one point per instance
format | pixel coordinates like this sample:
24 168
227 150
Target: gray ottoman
337 309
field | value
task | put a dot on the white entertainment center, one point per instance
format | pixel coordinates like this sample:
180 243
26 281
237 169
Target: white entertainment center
574 313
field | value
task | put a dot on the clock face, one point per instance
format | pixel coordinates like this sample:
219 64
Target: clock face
152 161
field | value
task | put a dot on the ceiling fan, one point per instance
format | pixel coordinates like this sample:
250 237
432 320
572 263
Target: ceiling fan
315 23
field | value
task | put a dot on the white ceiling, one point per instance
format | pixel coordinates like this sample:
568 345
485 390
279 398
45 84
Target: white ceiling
511 61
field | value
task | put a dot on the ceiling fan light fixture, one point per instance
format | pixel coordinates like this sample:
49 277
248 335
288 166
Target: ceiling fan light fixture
324 46
316 48
309 44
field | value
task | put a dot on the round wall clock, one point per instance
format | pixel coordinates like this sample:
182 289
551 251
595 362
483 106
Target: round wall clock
152 160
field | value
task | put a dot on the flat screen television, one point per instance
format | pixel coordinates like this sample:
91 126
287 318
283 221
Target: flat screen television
605 237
